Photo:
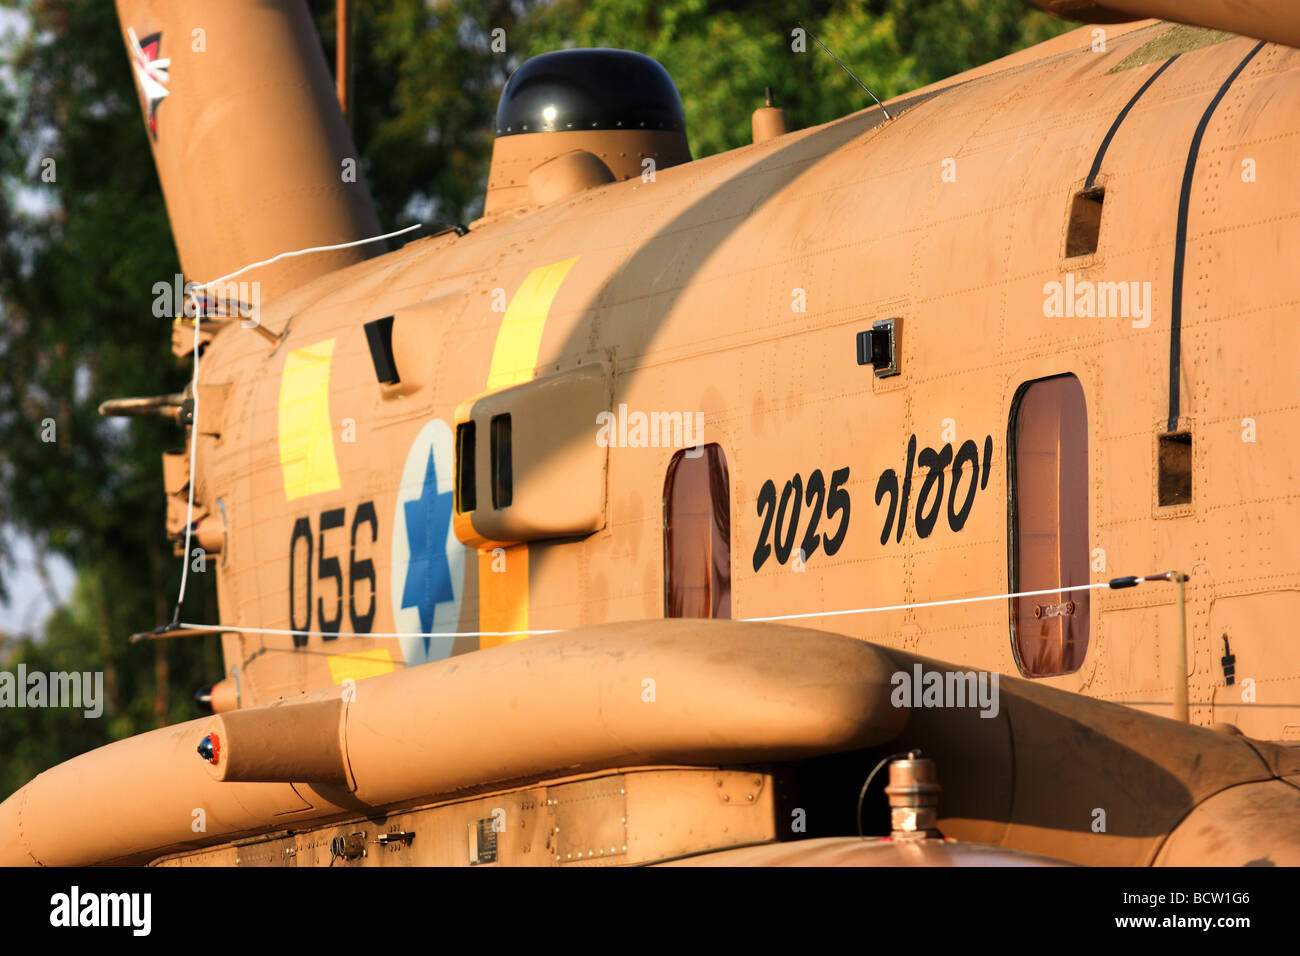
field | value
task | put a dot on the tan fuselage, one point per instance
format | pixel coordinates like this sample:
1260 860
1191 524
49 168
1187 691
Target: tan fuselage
1085 254
736 286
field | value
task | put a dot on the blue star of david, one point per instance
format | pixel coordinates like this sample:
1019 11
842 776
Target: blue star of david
428 575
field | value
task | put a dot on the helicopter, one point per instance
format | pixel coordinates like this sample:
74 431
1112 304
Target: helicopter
636 520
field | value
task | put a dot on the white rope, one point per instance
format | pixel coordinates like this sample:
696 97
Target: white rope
334 634
189 516
194 445
908 607
194 383
303 252
743 620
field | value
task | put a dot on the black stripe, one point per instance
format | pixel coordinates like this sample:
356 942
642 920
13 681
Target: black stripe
1110 133
1180 241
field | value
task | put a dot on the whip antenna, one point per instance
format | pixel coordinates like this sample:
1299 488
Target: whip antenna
846 70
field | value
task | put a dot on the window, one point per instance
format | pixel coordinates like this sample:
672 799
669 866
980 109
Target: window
1048 468
697 535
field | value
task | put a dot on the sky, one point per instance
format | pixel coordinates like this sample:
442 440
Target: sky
31 600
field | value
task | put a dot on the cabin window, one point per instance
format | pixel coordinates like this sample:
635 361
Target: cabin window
697 534
1048 441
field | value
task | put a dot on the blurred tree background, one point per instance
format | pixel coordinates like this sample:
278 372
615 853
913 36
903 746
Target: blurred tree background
79 256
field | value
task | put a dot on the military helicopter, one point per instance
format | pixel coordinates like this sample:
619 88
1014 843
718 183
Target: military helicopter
690 510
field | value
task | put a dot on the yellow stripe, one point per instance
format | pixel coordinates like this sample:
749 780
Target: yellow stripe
360 665
503 592
515 356
306 432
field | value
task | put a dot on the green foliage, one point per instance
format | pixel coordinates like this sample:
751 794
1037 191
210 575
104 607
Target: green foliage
425 84
79 256
426 80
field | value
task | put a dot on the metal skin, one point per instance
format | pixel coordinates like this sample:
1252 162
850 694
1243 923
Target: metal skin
248 140
408 750
1272 20
681 292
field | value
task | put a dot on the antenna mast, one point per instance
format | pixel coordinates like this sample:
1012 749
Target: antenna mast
842 66
342 30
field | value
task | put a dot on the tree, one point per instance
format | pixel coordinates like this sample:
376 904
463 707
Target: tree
427 79
83 235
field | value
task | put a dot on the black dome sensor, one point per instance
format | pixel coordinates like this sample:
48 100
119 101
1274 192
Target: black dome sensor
572 90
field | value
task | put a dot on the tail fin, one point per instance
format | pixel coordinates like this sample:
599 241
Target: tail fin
251 147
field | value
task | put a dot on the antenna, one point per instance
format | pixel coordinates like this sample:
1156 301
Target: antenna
342 69
846 70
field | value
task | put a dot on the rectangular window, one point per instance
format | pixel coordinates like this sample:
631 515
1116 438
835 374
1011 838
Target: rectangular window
697 534
1049 525
502 477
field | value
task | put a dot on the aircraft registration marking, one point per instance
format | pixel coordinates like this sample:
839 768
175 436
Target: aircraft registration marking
794 495
936 464
323 569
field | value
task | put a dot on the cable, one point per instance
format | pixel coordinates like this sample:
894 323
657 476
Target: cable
333 634
908 607
194 384
862 794
1114 583
194 446
303 252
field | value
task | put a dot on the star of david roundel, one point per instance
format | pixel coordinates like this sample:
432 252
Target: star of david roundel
428 559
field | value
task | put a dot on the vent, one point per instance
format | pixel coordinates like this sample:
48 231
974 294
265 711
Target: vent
379 336
466 500
536 484
1085 223
1174 485
502 478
